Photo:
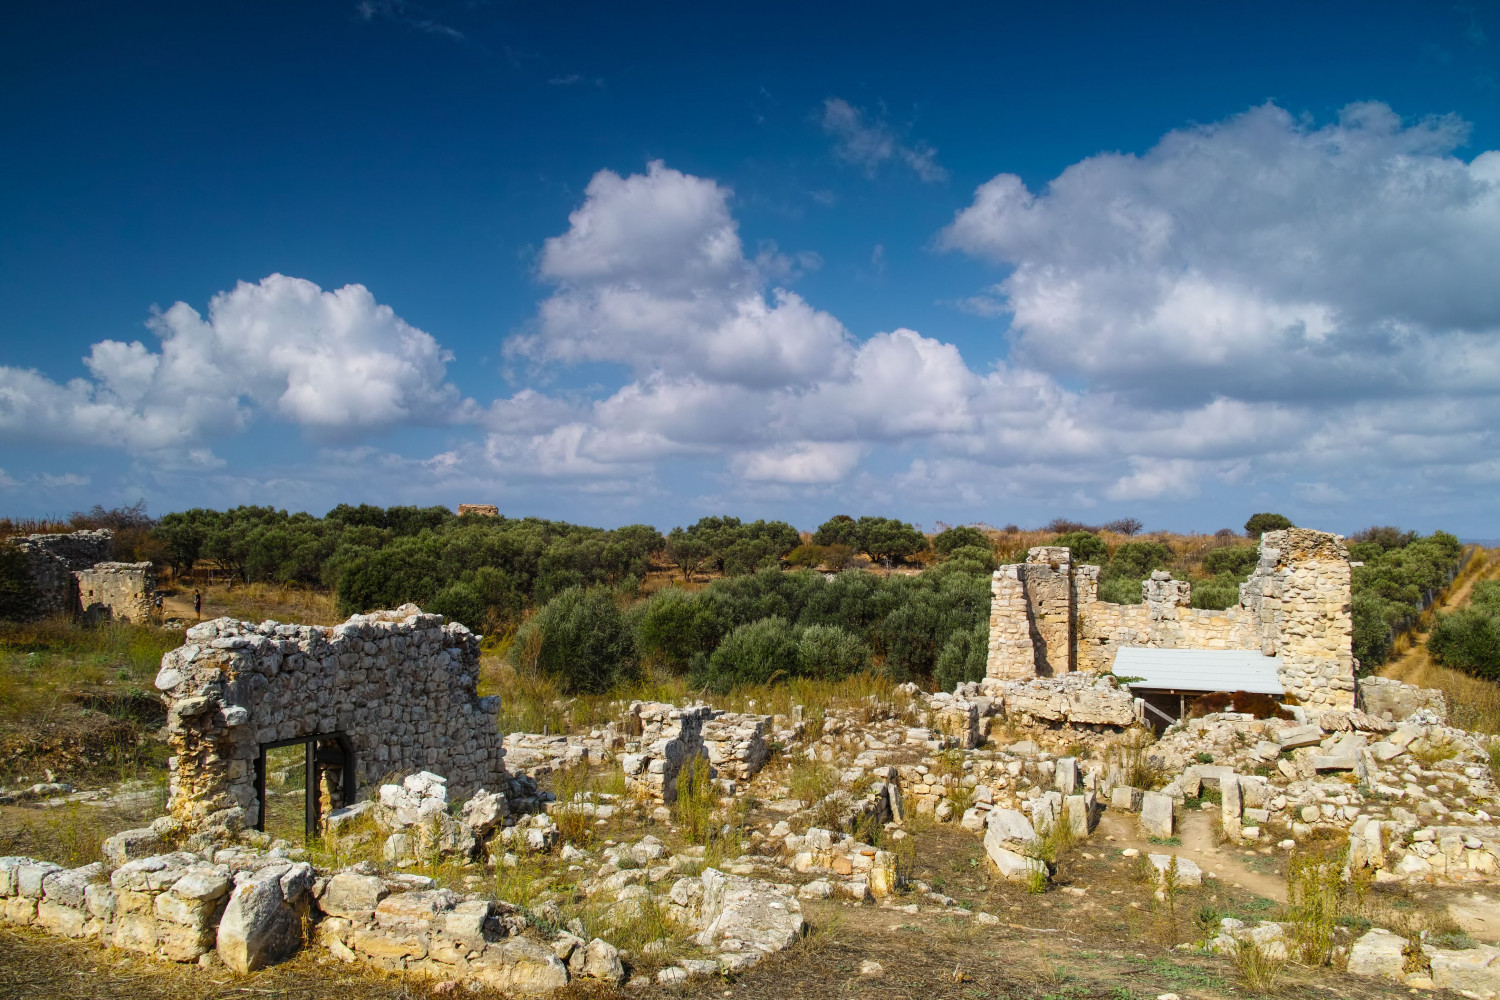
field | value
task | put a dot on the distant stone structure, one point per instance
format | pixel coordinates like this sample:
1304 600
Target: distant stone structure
72 576
486 509
395 690
1046 618
116 590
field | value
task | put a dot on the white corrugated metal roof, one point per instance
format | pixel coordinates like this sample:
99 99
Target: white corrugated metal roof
1199 669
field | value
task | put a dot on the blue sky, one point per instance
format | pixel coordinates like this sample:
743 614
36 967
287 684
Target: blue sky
965 264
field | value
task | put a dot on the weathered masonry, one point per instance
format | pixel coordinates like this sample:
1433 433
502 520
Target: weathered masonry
1046 618
383 693
72 576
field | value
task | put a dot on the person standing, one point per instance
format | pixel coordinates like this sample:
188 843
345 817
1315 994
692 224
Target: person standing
198 604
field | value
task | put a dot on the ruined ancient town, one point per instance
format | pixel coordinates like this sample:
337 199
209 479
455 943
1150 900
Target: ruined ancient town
1216 782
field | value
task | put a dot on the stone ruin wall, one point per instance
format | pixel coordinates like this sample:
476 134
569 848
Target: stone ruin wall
401 685
1296 606
117 590
670 737
55 559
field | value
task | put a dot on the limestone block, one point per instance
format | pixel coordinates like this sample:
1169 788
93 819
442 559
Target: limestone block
260 925
601 960
1188 872
1378 953
760 916
1124 798
1156 815
1012 866
348 894
1078 811
1474 970
1065 779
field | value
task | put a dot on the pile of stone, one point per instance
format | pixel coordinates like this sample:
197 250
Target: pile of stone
538 754
869 870
1394 701
1474 971
416 814
739 919
1077 699
440 934
736 744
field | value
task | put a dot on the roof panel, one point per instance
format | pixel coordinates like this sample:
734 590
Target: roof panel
1199 669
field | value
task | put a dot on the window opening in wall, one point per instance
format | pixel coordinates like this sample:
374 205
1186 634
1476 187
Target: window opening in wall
300 781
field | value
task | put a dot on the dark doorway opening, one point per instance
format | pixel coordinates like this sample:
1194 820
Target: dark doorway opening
324 775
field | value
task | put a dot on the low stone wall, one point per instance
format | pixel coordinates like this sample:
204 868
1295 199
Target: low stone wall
400 684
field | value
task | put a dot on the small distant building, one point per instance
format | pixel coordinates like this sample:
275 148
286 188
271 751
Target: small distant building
486 509
116 590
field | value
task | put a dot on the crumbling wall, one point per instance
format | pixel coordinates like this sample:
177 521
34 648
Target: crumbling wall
670 737
400 684
117 590
1296 607
53 561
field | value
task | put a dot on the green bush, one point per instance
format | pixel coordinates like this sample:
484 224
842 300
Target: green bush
970 559
1217 592
1136 560
1120 590
827 652
1391 588
962 536
580 639
1085 547
1469 639
756 653
963 658
1235 560
1259 524
880 538
673 626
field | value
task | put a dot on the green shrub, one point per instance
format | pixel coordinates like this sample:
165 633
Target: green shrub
1136 560
1234 560
580 639
962 536
1469 639
963 657
755 653
1259 524
1217 593
1085 547
673 626
1121 590
970 559
827 652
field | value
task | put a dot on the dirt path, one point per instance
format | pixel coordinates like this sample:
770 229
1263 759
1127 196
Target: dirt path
1412 662
1199 844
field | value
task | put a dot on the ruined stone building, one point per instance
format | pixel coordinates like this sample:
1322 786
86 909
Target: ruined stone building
1294 611
390 692
73 576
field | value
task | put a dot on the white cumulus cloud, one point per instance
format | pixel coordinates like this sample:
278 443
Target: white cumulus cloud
333 362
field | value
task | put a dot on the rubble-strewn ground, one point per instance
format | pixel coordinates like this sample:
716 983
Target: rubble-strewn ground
953 928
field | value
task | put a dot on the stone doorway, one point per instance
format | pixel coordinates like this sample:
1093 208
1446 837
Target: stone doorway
327 773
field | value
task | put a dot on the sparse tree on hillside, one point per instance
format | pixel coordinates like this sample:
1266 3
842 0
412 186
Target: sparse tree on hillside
1128 526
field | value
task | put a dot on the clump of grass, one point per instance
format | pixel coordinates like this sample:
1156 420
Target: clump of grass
696 803
1316 902
1431 752
812 781
1258 970
522 882
1137 768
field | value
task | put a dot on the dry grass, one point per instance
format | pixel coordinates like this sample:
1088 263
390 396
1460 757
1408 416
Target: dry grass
257 602
80 701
